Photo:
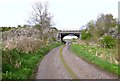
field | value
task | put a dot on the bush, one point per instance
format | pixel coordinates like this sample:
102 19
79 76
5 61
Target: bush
108 42
85 35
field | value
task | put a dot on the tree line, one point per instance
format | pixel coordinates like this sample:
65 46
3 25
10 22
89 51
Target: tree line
103 31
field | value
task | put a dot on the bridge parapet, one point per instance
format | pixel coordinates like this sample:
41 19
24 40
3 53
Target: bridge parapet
69 31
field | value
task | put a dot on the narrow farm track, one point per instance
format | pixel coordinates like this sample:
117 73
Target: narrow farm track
51 67
60 63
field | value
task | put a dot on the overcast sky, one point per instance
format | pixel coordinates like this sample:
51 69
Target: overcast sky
68 14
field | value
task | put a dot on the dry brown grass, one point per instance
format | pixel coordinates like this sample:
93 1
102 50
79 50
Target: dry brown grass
27 44
25 39
103 53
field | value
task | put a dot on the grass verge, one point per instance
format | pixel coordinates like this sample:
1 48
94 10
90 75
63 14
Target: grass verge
80 50
20 65
73 75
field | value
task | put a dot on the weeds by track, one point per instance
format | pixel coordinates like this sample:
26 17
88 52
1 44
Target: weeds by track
83 52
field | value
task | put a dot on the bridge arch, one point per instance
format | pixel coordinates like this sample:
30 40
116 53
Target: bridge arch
62 34
70 36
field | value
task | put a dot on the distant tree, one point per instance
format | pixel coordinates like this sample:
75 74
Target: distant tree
110 21
2 29
40 15
41 18
85 35
54 28
104 23
91 27
19 26
24 26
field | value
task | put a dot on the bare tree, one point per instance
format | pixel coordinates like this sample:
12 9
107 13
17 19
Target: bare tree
40 17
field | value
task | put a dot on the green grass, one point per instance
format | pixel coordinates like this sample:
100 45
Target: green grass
83 52
73 75
27 62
